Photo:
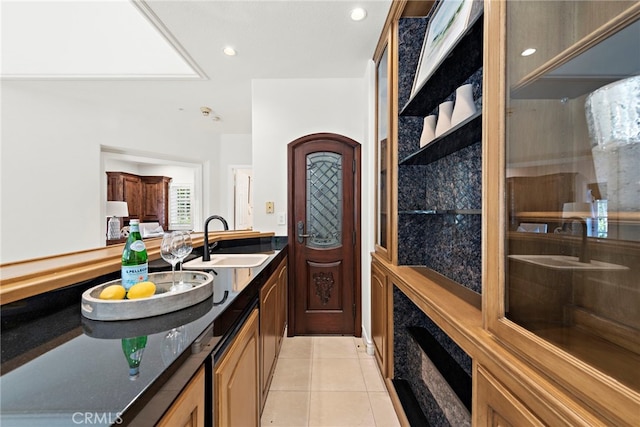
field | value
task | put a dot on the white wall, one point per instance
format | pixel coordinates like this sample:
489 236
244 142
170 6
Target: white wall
51 168
286 109
368 202
50 162
235 150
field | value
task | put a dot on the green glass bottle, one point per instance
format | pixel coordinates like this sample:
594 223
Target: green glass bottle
133 349
135 265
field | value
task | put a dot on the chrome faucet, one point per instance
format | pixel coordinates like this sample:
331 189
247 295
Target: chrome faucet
584 255
206 256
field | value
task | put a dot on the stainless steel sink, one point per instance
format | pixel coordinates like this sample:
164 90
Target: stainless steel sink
564 262
227 261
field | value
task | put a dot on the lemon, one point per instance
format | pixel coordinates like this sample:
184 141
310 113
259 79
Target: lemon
113 292
141 290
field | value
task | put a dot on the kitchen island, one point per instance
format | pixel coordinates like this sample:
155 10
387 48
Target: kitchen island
61 369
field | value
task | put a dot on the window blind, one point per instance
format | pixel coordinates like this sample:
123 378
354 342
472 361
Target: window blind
180 205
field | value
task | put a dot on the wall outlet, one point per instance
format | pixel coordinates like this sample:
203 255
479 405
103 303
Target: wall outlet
282 218
269 207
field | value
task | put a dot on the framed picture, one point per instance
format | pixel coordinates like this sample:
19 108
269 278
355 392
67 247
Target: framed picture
447 24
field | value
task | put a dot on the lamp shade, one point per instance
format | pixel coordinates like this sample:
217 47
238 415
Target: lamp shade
118 209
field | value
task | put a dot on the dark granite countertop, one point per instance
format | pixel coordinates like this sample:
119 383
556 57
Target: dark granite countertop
58 368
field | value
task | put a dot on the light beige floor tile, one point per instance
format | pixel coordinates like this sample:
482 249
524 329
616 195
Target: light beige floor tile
383 412
292 375
337 374
335 409
361 347
334 347
286 408
371 374
296 348
365 355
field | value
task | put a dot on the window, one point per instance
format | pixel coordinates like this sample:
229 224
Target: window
180 205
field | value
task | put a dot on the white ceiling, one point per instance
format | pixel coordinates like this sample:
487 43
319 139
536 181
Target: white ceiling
274 39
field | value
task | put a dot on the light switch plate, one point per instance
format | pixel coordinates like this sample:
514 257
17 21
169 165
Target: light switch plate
282 218
269 207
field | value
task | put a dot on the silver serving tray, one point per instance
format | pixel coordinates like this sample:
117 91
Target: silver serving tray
148 325
164 301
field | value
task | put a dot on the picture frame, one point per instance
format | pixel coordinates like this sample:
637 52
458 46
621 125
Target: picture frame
446 26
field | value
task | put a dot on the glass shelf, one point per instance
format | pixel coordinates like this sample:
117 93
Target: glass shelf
443 212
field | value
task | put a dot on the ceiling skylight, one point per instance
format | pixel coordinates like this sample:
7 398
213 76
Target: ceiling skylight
89 39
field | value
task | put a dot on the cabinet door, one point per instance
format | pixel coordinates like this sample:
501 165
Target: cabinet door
126 187
132 194
188 409
268 333
384 154
237 379
561 231
495 406
281 321
155 199
379 315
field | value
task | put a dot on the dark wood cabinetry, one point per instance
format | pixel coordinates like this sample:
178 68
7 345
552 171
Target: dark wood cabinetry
147 197
155 199
125 187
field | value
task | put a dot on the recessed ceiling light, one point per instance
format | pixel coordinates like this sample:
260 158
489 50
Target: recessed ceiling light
529 51
229 51
358 14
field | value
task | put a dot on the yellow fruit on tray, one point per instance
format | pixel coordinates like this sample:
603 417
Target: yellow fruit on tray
113 292
141 290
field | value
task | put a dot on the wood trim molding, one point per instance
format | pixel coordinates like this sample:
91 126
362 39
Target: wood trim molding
395 12
629 16
493 161
24 279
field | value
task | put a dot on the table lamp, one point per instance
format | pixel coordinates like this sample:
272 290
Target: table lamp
115 211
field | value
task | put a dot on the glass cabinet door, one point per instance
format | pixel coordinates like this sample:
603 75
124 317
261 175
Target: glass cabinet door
571 200
383 168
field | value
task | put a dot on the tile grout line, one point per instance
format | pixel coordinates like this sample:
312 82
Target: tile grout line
311 357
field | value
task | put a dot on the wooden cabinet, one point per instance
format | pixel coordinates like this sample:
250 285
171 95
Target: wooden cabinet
496 406
155 200
237 379
125 187
549 347
384 153
282 312
579 325
147 197
268 334
380 320
272 318
189 409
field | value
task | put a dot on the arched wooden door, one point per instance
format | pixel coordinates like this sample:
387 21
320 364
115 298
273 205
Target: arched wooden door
324 235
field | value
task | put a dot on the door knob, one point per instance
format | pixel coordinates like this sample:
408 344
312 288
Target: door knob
301 235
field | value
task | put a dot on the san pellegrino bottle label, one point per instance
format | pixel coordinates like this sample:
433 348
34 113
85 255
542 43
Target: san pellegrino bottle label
135 266
134 274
